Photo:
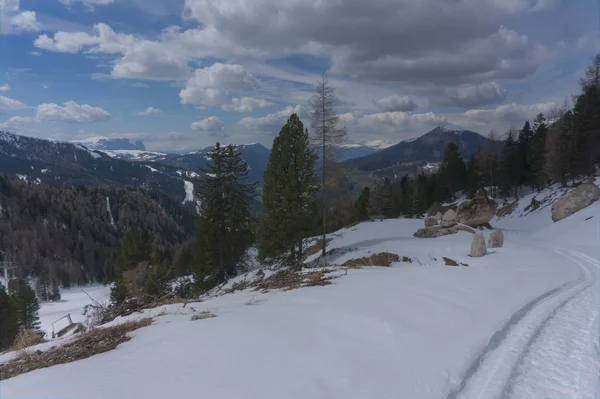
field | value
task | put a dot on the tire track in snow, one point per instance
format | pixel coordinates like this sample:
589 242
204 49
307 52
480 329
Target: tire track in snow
490 375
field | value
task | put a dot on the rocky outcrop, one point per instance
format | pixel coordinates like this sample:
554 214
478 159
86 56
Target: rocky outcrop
449 218
496 239
430 221
438 216
435 231
478 248
575 200
477 211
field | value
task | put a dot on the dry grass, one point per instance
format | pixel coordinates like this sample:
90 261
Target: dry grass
507 209
290 279
96 341
450 262
203 315
380 259
26 339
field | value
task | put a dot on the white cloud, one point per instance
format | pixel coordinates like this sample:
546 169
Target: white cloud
271 123
14 23
17 121
246 104
89 4
5 87
470 96
509 114
9 104
149 111
36 53
395 103
209 86
71 112
212 125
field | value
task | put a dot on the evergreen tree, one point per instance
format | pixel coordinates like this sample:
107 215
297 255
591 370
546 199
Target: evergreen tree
509 166
42 286
537 153
8 320
473 172
362 204
452 173
225 228
290 185
523 149
585 140
55 293
136 248
27 306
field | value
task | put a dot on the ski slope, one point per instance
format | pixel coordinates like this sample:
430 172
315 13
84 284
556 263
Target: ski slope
521 322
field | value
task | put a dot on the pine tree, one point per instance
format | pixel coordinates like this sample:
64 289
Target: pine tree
537 153
473 176
327 137
523 149
452 173
136 248
225 228
27 306
42 286
55 293
585 140
290 185
9 326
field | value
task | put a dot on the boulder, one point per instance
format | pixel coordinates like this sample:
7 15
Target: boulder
430 221
438 216
575 200
435 231
496 239
449 218
478 248
477 211
462 227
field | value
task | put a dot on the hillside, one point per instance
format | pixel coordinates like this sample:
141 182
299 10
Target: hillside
69 165
72 233
522 323
105 143
407 156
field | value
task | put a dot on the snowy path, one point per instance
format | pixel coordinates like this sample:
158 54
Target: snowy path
549 347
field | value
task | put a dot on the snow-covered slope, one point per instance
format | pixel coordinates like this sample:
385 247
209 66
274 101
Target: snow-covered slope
520 322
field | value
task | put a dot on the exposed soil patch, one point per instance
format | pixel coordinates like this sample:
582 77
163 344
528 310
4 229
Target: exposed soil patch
380 259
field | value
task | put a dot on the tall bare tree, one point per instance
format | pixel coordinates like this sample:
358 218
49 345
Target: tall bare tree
327 135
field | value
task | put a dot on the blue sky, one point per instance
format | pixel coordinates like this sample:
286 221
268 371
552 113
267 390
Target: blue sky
186 73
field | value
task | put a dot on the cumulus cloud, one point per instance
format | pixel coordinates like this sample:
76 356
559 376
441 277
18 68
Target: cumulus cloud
395 103
470 96
88 3
150 111
5 87
246 104
9 104
71 112
271 123
19 22
17 121
211 125
509 114
209 86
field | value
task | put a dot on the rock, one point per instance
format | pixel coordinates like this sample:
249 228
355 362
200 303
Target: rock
438 216
462 227
575 200
478 248
449 218
430 221
477 211
496 239
435 231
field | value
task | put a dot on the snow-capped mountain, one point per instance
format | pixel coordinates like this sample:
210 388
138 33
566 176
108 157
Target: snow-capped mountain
107 143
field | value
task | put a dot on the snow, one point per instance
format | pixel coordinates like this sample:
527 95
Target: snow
22 177
521 322
134 155
112 220
189 191
152 169
44 170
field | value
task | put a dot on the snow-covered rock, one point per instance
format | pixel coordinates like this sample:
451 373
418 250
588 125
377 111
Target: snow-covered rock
496 239
478 247
435 231
575 200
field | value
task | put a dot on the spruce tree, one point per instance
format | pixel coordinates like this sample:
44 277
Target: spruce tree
452 173
290 185
42 286
9 326
55 292
509 166
363 204
135 248
523 149
27 306
225 228
585 140
537 153
473 176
